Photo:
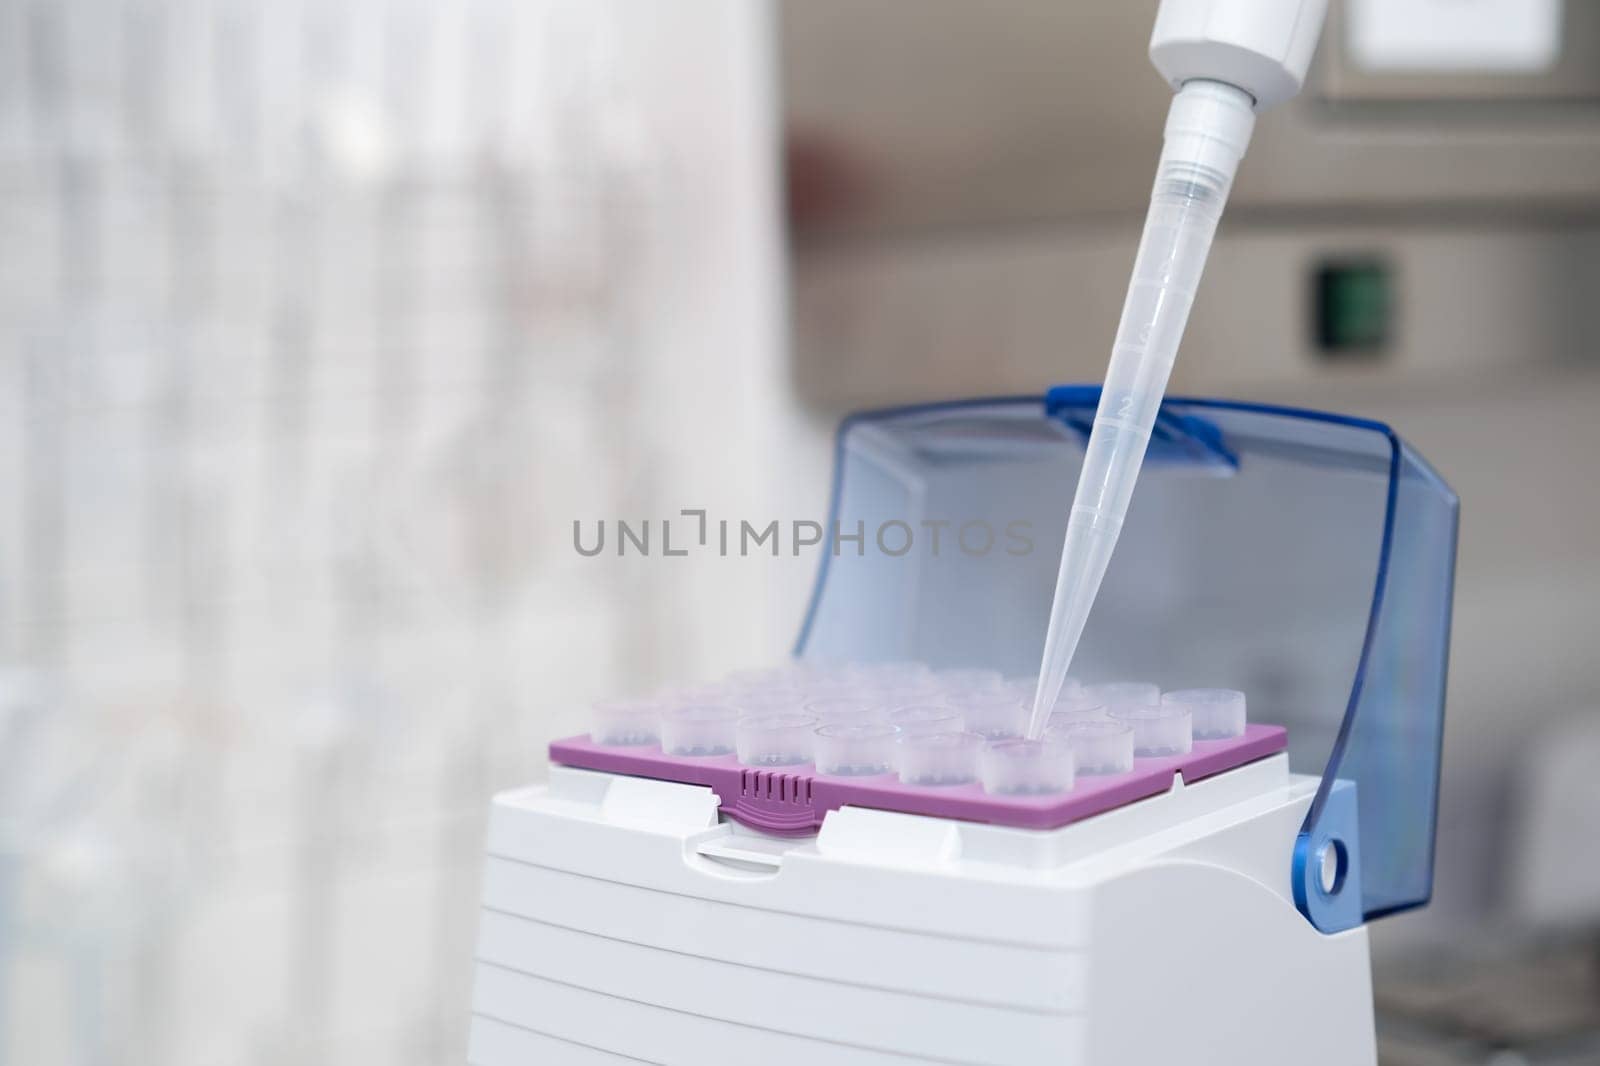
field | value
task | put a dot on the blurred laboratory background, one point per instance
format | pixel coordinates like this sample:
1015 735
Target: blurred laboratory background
322 322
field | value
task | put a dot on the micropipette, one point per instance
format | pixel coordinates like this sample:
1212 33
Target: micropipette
1227 59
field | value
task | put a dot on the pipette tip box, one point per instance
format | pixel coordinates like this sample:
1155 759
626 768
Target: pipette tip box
868 865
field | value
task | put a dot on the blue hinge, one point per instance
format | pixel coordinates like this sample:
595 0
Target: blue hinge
1326 870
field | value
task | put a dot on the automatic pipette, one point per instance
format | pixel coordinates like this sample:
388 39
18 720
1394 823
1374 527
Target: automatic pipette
1227 60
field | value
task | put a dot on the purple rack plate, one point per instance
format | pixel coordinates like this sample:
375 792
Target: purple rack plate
794 800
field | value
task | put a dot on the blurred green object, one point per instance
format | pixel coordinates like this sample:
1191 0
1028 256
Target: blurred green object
1355 305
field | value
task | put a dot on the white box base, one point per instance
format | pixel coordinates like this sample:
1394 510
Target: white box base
624 923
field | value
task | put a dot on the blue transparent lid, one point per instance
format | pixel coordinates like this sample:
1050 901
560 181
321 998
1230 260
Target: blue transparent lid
1307 559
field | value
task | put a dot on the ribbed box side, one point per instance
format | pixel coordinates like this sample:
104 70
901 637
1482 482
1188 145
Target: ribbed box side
953 968
660 1012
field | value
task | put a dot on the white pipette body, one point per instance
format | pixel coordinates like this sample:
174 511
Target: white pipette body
1227 59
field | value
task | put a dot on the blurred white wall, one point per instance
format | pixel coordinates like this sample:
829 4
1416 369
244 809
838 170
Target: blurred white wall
320 323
